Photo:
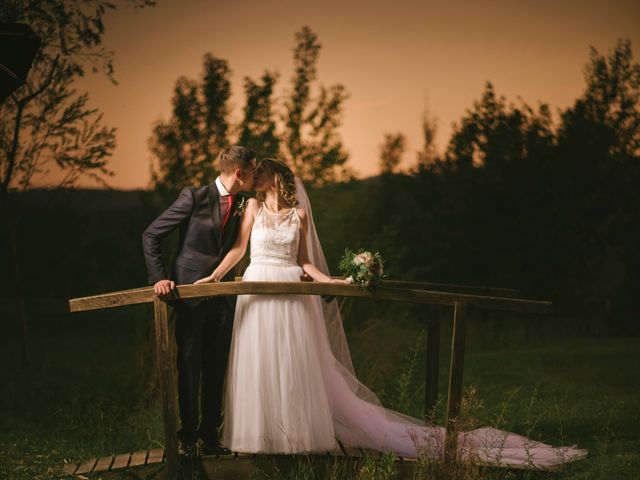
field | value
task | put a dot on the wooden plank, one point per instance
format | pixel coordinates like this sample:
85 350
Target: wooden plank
227 468
138 458
433 366
338 451
86 467
167 385
342 448
103 464
458 337
70 468
453 288
155 456
113 299
350 451
121 461
129 297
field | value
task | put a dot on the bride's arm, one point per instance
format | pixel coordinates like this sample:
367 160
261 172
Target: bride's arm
239 247
303 255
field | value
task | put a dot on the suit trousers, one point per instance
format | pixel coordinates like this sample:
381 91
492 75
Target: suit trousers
203 338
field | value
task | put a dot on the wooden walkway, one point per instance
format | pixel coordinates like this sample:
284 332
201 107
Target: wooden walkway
116 463
148 464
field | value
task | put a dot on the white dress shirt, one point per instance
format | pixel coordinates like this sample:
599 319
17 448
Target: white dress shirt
221 188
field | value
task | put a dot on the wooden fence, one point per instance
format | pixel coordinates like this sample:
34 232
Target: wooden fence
461 298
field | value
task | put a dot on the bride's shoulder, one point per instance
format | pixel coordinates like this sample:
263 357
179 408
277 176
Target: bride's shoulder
302 213
253 204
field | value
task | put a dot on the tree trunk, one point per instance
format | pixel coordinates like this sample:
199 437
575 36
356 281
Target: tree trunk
16 279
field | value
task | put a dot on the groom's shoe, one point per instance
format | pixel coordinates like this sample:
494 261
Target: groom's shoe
214 448
188 450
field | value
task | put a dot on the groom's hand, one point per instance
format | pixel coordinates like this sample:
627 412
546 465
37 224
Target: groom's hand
164 287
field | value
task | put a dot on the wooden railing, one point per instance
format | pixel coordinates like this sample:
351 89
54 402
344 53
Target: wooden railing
462 298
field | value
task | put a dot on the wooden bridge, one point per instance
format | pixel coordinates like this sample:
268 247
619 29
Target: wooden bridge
461 298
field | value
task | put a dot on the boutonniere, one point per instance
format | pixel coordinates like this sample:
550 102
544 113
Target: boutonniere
241 207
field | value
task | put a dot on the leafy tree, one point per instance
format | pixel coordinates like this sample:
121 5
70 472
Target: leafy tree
428 154
258 128
599 145
46 124
497 166
313 146
391 151
185 146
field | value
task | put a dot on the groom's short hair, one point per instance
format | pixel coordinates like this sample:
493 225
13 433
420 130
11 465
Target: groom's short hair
235 157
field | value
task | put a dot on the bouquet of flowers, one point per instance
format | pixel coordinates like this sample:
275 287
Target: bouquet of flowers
362 267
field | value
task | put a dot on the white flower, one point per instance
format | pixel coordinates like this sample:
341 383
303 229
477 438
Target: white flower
368 259
364 258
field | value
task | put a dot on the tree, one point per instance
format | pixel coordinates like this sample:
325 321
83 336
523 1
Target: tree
599 145
185 147
46 124
313 146
493 134
499 166
391 151
428 155
258 128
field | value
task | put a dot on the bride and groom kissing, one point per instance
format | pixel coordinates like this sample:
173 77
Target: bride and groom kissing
214 232
279 365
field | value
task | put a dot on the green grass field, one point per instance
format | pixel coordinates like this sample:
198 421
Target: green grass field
89 391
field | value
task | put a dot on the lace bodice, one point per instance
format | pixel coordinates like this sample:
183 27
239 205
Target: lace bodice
275 237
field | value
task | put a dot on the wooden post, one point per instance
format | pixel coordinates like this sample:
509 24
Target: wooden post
167 387
431 378
458 336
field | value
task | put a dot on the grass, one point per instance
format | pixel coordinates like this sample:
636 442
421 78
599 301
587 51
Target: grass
89 390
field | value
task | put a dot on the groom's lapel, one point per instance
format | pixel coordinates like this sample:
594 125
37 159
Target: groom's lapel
214 206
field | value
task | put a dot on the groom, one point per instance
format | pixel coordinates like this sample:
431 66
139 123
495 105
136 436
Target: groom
208 224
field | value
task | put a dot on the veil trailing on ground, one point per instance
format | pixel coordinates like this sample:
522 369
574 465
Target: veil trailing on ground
360 420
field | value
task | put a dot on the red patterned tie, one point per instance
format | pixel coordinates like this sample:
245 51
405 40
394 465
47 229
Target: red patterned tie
225 209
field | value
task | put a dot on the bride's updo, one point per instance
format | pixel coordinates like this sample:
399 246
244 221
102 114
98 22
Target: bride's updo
283 178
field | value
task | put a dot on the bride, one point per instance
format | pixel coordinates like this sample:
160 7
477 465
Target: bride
291 386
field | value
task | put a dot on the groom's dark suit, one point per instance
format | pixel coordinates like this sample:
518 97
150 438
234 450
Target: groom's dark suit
203 326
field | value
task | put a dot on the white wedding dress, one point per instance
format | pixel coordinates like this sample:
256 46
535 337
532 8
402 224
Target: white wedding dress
286 391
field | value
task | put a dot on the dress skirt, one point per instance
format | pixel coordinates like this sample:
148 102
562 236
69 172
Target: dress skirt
275 398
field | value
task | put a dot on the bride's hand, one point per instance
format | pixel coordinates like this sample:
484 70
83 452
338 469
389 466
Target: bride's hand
208 279
342 281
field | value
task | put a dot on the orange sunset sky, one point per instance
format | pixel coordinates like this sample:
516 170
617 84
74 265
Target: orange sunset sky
393 57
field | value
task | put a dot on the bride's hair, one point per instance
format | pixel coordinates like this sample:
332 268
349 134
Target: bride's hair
284 180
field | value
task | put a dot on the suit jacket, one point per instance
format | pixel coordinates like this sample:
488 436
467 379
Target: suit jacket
196 213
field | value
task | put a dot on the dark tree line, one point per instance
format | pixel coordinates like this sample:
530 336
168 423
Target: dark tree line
520 201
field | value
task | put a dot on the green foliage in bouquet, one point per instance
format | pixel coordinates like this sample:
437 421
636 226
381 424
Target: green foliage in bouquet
362 267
